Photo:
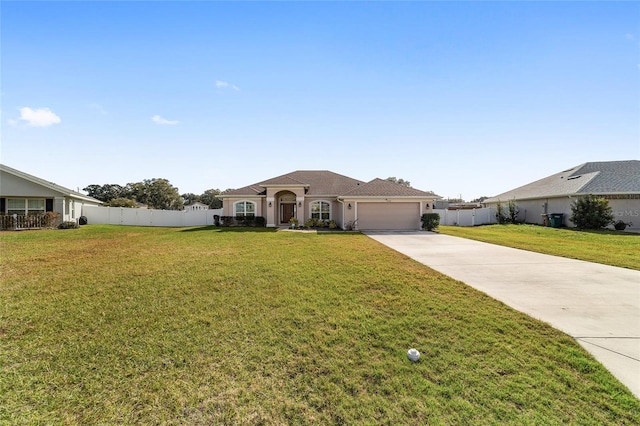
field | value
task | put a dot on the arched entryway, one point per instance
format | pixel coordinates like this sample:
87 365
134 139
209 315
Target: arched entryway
286 206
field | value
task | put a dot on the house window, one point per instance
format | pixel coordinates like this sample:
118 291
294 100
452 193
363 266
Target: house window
321 210
25 206
35 206
245 208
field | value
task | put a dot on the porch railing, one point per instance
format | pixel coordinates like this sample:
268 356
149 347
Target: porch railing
31 221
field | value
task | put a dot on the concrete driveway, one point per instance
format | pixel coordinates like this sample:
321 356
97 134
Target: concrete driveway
597 305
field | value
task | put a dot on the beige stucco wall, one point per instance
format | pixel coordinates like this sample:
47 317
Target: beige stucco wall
229 203
350 214
335 209
339 211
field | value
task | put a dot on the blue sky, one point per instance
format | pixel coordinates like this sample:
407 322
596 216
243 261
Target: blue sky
461 98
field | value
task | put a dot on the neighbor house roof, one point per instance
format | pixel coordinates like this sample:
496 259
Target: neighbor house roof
604 177
326 183
46 184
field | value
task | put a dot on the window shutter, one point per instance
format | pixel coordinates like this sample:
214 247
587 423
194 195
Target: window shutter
49 205
3 205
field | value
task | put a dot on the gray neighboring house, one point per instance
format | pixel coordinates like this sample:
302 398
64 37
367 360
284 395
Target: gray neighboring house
617 181
325 195
23 194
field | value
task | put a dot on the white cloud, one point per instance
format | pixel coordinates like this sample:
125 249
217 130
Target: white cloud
39 117
225 84
160 120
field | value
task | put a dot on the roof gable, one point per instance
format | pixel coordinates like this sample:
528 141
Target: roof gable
44 184
317 183
384 188
283 180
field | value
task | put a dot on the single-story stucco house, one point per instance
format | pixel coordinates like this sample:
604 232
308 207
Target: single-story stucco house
617 181
325 195
23 194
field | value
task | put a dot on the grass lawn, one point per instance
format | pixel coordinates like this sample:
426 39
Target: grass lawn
125 325
608 247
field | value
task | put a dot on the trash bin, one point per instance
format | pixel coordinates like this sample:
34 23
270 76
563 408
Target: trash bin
545 219
555 219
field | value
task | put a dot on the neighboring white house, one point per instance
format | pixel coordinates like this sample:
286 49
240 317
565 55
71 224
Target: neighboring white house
25 194
617 181
197 206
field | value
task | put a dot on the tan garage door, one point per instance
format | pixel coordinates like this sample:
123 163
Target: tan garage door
392 216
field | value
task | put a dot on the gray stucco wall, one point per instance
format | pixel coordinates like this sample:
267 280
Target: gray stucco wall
13 186
531 211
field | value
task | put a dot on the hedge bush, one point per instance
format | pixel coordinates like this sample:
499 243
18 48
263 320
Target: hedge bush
68 225
250 221
591 212
430 221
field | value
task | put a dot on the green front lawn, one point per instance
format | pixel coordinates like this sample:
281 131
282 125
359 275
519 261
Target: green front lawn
125 325
613 248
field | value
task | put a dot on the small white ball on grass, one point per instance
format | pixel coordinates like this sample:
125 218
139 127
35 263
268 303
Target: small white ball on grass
413 354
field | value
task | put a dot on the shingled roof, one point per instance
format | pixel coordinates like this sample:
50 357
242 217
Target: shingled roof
46 184
326 183
605 177
318 182
251 190
384 188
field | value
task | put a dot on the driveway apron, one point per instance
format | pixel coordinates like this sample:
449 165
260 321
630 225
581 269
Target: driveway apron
598 305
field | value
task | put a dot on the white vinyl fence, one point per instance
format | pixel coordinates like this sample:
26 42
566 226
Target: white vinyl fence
148 217
472 217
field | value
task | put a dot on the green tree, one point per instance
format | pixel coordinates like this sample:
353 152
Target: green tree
137 191
121 202
399 181
106 192
210 197
156 194
190 198
591 212
162 195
